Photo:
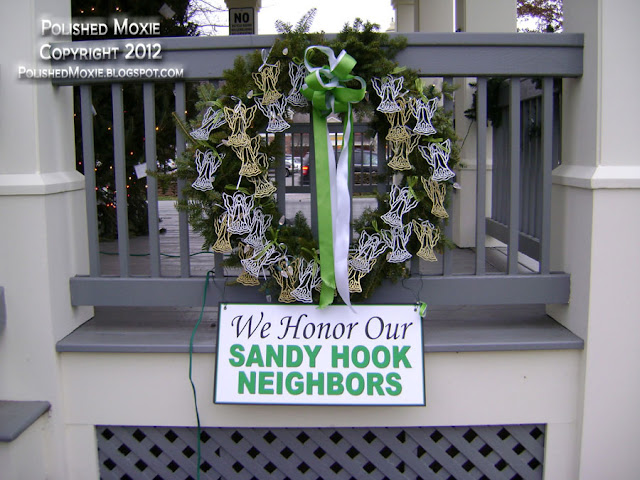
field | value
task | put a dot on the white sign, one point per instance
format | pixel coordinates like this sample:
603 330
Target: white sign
301 355
241 21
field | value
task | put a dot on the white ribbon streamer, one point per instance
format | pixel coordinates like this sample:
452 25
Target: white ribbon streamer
342 216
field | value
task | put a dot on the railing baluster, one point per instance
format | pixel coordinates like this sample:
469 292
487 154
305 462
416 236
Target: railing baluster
382 164
312 184
183 218
530 178
148 91
280 173
89 161
481 175
547 161
534 223
447 257
121 178
525 165
514 191
218 267
503 170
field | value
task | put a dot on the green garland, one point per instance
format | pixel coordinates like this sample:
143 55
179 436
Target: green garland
374 53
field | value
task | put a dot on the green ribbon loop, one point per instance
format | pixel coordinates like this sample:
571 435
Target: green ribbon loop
326 88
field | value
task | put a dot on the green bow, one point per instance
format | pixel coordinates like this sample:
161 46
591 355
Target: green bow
325 87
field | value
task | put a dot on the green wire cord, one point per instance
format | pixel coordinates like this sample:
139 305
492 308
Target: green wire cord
161 254
193 387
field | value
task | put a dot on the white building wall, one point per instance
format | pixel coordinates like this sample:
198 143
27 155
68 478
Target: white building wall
596 227
595 197
43 240
480 388
28 456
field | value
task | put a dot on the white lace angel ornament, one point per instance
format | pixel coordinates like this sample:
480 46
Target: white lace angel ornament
437 156
266 79
207 164
297 73
285 272
362 260
308 279
437 193
262 186
223 237
261 259
244 252
428 236
400 202
238 212
396 239
259 224
251 158
274 112
388 89
423 111
211 120
239 119
402 140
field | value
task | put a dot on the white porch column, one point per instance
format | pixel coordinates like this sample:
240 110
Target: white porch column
436 15
470 16
479 16
596 227
424 15
43 241
407 18
486 15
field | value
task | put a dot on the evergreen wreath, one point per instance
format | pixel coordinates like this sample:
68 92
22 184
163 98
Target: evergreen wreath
230 198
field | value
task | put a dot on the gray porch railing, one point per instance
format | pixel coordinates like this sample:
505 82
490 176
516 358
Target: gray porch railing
435 55
531 163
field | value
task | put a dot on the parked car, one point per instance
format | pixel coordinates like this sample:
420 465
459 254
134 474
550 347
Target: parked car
365 162
291 164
